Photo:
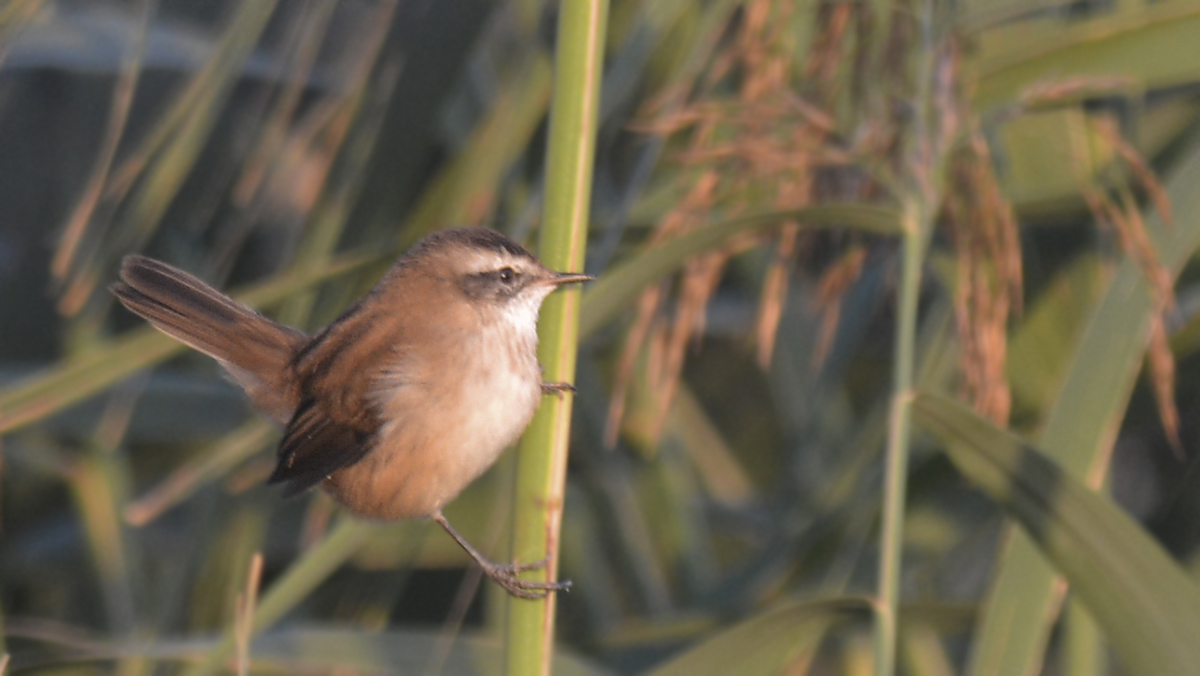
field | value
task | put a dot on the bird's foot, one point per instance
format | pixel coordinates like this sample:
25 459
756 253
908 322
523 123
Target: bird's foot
506 575
558 389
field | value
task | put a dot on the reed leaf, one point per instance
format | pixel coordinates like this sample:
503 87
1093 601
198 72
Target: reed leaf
768 643
1079 431
1147 605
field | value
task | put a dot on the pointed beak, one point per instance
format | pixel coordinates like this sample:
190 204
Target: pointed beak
560 278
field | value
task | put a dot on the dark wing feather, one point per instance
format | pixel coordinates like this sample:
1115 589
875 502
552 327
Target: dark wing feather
336 422
315 446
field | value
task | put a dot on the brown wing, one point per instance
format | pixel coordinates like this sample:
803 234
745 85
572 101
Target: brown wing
316 445
336 422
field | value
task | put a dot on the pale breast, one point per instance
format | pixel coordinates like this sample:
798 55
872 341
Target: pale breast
496 400
444 428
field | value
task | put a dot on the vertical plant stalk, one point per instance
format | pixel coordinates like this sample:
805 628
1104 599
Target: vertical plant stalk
929 136
899 425
542 459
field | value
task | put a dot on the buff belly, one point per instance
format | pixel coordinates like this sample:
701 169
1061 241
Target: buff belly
441 438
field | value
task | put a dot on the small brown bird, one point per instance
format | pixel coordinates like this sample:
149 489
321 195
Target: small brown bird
405 398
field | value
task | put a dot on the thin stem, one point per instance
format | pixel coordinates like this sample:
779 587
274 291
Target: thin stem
541 462
922 183
897 446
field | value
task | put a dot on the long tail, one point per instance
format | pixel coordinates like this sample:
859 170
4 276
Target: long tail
255 350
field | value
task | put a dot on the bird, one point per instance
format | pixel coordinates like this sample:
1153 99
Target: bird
404 399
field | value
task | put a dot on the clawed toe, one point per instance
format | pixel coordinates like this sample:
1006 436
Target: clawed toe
558 389
506 576
513 569
529 589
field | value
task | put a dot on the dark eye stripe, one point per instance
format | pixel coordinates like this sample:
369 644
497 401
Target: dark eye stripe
503 283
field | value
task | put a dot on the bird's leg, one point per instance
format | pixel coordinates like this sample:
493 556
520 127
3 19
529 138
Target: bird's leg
506 574
558 389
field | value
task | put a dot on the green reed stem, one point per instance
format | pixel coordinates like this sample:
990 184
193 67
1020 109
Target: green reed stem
899 425
542 459
927 143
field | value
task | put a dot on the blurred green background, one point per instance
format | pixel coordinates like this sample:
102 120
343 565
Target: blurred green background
771 178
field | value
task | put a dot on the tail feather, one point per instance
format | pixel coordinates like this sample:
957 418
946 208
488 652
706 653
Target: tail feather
255 350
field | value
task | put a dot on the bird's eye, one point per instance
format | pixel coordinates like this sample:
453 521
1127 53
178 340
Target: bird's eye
507 275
